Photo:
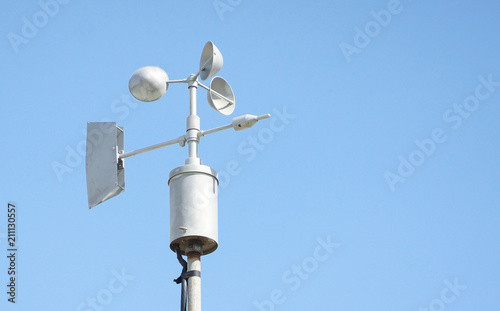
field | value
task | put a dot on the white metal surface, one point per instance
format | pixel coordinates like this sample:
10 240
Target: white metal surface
148 83
220 96
192 125
104 170
247 121
214 130
153 147
216 93
194 207
210 61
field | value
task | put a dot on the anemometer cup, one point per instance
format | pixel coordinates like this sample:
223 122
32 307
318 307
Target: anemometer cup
211 61
148 83
224 104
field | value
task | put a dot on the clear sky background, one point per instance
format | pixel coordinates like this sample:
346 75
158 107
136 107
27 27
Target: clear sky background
374 186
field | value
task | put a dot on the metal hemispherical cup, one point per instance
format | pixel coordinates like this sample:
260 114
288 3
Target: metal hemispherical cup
148 83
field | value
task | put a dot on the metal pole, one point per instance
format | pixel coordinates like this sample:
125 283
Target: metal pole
192 124
194 249
193 252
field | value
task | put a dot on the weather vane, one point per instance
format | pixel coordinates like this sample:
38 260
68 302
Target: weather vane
193 186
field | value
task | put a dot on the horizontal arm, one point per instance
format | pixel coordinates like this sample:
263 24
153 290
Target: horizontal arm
153 147
214 130
239 123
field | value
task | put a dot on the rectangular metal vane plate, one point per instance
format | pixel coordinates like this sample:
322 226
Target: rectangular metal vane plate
105 172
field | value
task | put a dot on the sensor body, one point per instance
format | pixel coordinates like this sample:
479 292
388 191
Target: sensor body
194 207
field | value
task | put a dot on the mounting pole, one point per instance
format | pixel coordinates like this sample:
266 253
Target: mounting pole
193 252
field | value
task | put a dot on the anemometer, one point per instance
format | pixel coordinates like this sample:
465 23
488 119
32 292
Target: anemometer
193 186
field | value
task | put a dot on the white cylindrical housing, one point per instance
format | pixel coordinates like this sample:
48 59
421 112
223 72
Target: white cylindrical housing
193 207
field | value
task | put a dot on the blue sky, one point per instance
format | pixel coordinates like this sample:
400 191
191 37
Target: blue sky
374 185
